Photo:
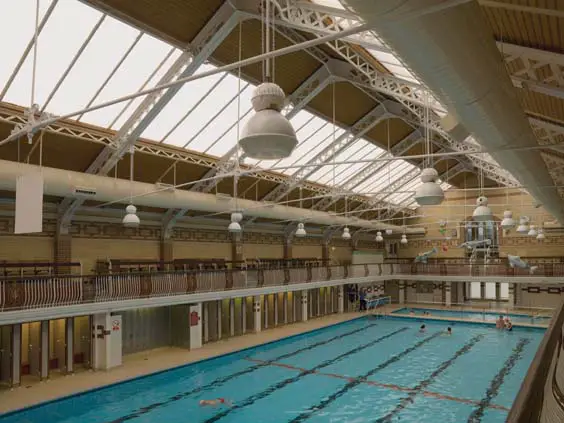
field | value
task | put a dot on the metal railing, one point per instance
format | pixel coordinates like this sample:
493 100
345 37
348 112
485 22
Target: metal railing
50 291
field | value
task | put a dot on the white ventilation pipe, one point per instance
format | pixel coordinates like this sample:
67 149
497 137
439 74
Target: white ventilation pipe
454 52
62 183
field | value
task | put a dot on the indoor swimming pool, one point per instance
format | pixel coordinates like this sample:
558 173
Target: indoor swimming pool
476 315
365 370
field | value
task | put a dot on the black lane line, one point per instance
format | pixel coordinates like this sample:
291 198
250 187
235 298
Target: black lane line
220 381
260 395
497 381
426 382
357 381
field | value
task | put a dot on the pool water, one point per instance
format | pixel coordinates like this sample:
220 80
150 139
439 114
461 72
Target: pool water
365 370
476 315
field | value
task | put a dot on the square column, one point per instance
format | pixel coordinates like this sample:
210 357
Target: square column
206 315
276 309
243 315
218 313
69 344
232 317
285 306
448 298
106 341
265 305
511 296
341 299
401 295
257 313
16 354
304 303
44 350
196 328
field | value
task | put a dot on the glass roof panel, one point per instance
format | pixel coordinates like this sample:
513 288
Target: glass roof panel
382 179
330 3
222 144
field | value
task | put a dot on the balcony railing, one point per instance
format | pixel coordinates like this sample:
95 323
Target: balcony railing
50 291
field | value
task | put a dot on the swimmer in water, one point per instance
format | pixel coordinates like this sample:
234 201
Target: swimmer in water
422 329
449 331
215 402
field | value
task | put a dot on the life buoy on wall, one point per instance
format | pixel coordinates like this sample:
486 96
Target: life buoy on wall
115 325
194 318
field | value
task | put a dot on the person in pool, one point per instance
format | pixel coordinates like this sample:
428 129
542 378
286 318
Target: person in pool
422 329
449 331
500 323
215 402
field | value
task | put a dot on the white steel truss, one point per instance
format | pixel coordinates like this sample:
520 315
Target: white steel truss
203 45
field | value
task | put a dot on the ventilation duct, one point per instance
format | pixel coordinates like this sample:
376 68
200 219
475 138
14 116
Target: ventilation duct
63 183
453 50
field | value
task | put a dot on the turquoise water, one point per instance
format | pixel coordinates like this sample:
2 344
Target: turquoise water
476 315
366 370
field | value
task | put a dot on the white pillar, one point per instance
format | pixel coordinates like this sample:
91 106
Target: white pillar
218 313
206 315
266 311
16 354
257 313
276 297
69 344
318 296
511 296
401 295
101 341
448 299
232 317
285 306
243 315
195 311
305 307
44 350
341 299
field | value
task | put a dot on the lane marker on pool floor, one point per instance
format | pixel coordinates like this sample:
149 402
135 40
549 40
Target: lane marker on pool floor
273 388
357 381
221 380
391 386
497 381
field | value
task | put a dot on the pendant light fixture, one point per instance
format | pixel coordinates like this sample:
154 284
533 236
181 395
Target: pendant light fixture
507 223
523 227
482 213
131 220
541 236
403 240
379 237
235 225
532 231
268 135
301 232
346 232
429 193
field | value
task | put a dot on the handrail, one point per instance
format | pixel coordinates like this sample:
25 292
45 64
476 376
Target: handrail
528 405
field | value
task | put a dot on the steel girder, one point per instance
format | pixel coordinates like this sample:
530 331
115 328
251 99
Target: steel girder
208 39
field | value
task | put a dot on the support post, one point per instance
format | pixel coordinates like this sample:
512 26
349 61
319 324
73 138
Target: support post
44 350
206 315
166 253
341 299
304 303
511 298
257 313
69 344
243 315
276 296
218 313
195 311
16 354
232 317
448 299
265 305
285 306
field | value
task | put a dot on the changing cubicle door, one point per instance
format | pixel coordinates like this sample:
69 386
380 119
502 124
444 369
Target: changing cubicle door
31 350
57 345
5 355
82 339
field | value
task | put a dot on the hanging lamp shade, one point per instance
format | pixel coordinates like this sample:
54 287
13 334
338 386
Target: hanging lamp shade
507 222
268 135
429 193
523 228
541 236
403 239
131 220
301 232
379 237
346 233
482 213
235 225
532 231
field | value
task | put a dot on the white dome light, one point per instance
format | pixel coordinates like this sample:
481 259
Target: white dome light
301 232
429 193
346 233
532 231
235 225
523 228
131 220
403 239
389 231
541 236
507 222
268 135
482 213
379 237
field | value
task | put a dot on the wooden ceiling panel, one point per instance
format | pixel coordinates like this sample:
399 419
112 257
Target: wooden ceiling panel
351 103
544 105
396 128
